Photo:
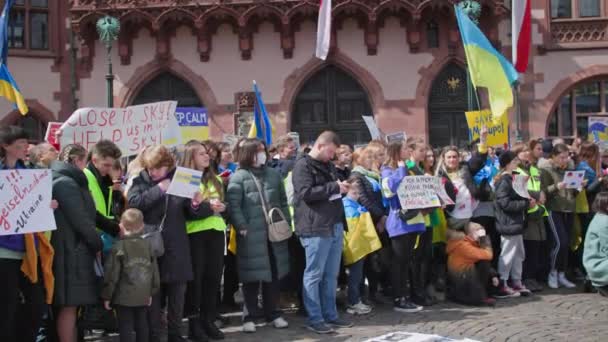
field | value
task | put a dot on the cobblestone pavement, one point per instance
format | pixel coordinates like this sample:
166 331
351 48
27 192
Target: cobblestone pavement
559 315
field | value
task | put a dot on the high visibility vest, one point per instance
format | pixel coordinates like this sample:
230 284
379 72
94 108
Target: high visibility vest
533 184
213 222
103 207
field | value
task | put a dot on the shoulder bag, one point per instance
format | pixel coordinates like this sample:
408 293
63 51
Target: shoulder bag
153 233
279 229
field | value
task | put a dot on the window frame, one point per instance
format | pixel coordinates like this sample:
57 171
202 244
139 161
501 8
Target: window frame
576 12
574 115
52 20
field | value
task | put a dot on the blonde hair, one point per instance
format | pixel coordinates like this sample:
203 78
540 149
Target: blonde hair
132 220
158 156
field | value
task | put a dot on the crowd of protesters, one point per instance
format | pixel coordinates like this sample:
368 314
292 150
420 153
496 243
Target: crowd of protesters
151 258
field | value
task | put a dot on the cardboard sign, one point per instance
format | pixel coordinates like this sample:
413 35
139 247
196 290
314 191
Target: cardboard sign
193 123
520 185
574 179
185 183
498 132
399 136
374 131
418 192
51 133
25 201
131 128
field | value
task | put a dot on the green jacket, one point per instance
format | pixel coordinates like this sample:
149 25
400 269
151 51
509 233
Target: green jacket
246 214
595 255
563 200
131 273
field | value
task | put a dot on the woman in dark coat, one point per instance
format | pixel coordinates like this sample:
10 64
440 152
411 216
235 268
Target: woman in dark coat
76 242
259 260
148 194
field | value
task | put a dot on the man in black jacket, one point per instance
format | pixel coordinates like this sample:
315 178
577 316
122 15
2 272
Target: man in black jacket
318 219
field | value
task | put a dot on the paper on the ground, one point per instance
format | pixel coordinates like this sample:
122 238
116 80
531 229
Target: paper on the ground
404 336
374 131
25 201
520 185
574 179
186 183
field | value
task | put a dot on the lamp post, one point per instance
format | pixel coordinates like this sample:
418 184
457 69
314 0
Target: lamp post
472 9
108 28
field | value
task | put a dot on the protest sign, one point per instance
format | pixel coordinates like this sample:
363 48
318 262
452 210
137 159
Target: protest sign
374 131
418 192
520 185
598 131
399 136
296 138
193 123
498 132
574 179
25 201
185 183
231 139
131 128
51 133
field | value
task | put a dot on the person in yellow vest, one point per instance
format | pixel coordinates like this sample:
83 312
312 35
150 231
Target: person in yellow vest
101 159
207 246
534 233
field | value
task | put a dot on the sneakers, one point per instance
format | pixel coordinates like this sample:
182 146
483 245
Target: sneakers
506 292
280 323
523 291
320 328
552 280
533 285
340 323
404 305
563 281
359 309
249 327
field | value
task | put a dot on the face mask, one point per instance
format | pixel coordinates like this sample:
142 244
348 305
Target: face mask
481 233
260 159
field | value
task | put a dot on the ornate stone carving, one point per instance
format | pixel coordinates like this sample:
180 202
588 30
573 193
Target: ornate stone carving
579 31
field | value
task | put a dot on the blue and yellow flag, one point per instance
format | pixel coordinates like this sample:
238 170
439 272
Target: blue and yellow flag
8 86
487 67
361 238
261 127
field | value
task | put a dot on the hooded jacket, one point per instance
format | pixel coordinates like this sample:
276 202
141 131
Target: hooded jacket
510 208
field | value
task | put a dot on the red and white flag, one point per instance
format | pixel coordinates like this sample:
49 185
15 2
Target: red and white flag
323 29
521 33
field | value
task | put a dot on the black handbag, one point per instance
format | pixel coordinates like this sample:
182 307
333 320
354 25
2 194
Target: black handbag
153 233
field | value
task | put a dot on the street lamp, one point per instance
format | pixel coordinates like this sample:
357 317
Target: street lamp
108 28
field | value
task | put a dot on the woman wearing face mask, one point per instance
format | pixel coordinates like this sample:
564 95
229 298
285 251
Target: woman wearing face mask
259 260
510 218
149 194
561 203
207 240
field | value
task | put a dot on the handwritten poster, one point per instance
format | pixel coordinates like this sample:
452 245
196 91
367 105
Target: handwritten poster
574 179
51 133
418 192
131 128
25 201
498 132
374 131
598 131
520 185
185 183
193 123
399 136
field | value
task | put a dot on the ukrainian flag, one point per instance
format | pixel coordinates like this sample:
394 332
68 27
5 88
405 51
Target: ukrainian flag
8 86
487 67
361 238
261 127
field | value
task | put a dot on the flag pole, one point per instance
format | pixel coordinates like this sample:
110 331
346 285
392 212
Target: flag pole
518 136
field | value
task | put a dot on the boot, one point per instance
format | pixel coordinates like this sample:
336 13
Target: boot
212 331
195 330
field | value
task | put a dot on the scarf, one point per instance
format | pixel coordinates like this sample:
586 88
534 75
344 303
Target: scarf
367 173
29 266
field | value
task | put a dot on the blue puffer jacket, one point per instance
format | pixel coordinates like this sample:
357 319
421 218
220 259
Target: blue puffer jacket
391 178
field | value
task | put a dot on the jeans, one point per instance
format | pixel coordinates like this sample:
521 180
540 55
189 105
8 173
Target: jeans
132 319
355 277
323 255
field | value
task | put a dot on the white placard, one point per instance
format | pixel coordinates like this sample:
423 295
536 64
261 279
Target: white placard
185 183
131 129
399 136
404 336
296 139
574 179
418 192
520 185
25 201
374 131
231 139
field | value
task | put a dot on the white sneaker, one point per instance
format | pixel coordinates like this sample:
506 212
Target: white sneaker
552 281
280 323
359 309
249 327
563 281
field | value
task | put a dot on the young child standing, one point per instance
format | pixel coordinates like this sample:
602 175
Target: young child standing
510 214
131 278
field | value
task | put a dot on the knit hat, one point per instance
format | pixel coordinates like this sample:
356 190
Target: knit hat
505 158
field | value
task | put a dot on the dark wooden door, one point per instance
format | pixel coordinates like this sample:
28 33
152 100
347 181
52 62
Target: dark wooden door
447 104
331 100
168 87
